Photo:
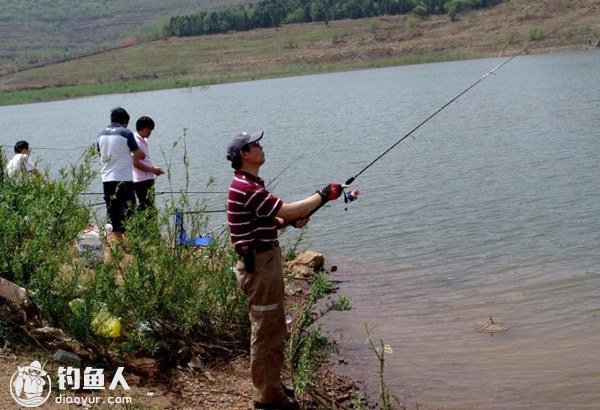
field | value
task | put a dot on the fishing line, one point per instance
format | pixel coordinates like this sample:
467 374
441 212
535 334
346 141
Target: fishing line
189 192
35 147
284 169
350 180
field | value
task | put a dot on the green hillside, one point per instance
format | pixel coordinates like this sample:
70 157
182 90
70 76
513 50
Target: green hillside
35 32
293 49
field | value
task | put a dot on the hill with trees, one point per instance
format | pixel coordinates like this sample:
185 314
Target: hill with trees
41 32
35 32
273 13
294 49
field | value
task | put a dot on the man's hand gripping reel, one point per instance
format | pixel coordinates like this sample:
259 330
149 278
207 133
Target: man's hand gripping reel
330 193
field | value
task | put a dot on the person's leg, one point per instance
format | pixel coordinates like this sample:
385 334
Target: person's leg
144 191
126 198
120 199
110 189
265 290
112 210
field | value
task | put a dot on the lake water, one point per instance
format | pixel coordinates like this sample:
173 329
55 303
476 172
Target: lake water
492 209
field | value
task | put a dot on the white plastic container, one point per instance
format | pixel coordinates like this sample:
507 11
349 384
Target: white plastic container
89 245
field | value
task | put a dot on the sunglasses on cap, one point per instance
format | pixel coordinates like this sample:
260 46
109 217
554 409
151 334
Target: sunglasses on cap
254 144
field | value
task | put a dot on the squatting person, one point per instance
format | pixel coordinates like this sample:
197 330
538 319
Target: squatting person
254 215
20 165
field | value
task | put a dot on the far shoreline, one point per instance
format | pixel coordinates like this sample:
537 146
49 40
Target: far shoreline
62 93
311 48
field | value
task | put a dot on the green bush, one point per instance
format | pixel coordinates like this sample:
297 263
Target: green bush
536 33
173 301
373 26
513 36
39 221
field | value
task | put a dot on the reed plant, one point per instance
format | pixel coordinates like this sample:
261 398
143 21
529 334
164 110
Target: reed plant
387 401
308 348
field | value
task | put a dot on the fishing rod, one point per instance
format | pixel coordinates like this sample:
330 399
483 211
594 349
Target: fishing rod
189 192
36 147
209 211
165 192
348 198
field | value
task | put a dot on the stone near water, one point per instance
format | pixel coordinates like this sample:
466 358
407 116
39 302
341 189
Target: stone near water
305 264
67 357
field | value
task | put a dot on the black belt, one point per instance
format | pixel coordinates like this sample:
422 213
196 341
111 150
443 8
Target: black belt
260 247
265 246
248 255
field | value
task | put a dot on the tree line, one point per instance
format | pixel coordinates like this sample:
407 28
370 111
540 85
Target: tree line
274 13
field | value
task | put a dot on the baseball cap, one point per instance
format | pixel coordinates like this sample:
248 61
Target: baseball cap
239 141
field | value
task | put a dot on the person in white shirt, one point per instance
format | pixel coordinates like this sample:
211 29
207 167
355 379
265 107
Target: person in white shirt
144 171
116 145
20 165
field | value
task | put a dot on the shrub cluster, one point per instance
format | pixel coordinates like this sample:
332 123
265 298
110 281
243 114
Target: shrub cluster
175 301
148 295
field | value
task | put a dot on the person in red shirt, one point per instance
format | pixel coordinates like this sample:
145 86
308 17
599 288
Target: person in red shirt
254 215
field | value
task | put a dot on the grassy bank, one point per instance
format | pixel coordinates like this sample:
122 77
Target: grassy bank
539 27
167 298
150 306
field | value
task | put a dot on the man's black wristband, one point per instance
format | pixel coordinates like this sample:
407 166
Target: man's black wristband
323 196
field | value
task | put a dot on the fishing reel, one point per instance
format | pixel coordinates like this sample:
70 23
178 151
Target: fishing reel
350 197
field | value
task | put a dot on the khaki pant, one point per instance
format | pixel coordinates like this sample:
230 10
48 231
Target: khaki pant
265 290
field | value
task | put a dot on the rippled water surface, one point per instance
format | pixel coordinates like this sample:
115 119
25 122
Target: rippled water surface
492 209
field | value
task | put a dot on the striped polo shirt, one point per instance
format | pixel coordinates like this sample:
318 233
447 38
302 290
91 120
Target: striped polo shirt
251 211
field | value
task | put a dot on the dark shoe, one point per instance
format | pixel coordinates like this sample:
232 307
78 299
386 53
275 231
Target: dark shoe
288 391
287 404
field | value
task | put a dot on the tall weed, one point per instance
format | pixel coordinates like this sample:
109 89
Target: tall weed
307 347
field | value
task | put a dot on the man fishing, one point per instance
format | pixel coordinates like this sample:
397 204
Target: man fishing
254 215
